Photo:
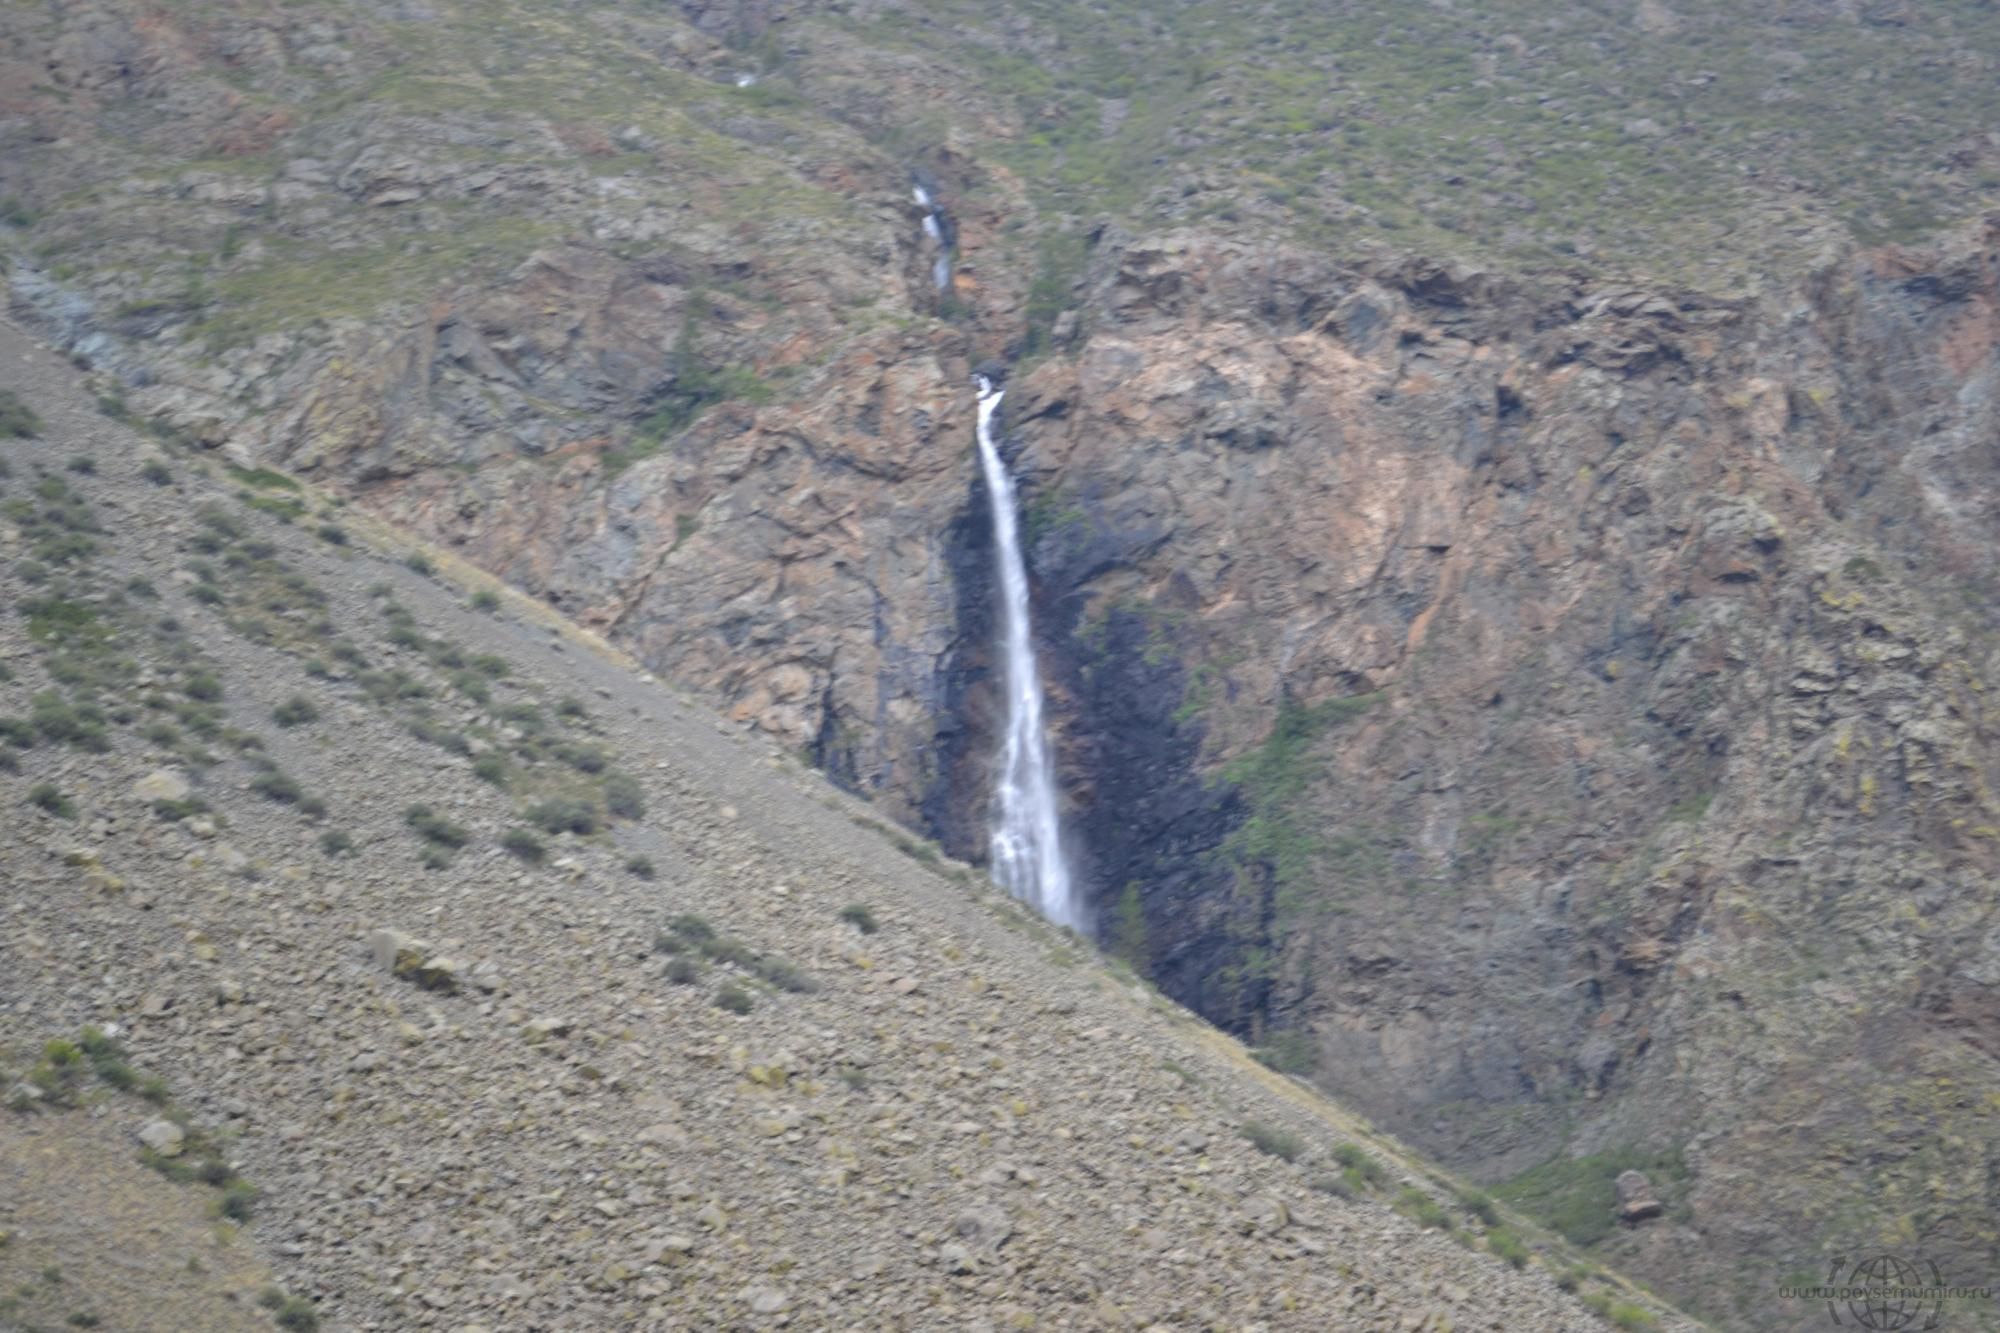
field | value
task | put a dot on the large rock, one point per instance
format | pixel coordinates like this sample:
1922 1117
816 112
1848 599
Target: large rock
163 784
1636 1200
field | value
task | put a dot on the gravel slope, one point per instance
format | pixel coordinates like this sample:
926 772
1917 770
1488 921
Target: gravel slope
961 1119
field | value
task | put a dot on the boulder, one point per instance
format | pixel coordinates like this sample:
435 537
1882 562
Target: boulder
163 1137
163 784
1636 1200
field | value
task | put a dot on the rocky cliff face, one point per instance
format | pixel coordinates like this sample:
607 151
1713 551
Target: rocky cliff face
1550 708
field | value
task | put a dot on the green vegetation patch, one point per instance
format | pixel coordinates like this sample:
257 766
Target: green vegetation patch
1578 1196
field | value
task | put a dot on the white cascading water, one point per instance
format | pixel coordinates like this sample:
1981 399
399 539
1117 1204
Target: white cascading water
934 228
1027 828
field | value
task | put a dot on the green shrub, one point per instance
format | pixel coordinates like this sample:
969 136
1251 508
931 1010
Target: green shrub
419 563
623 796
157 472
1423 1209
1480 1206
296 1313
83 465
571 709
17 419
434 828
336 842
524 844
640 866
1628 1316
692 930
295 712
735 999
332 533
1508 1246
1338 1185
485 600
276 786
584 758
858 916
563 815
1289 1052
202 685
175 811
1274 1141
785 975
1579 1196
1365 1169
47 797
490 768
683 971
238 1195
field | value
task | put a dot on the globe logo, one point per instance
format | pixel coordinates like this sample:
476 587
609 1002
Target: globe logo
1887 1293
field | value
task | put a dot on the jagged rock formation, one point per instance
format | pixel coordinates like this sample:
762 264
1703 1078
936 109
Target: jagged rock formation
1543 698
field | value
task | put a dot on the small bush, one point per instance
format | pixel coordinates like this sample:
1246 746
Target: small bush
295 712
434 828
1423 1209
563 815
332 534
490 768
692 929
1338 1185
83 465
157 472
735 999
1627 1316
584 758
419 563
1570 1278
485 600
524 844
47 797
434 858
237 1198
336 842
1274 1141
1508 1246
1365 1168
17 419
683 971
640 866
623 796
296 1313
1480 1206
472 685
786 976
175 811
203 686
853 1076
571 709
275 786
858 916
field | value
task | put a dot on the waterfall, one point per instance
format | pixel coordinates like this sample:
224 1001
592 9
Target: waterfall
935 224
1027 830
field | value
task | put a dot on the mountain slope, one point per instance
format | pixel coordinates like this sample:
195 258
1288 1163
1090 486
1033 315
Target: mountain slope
934 1112
1511 492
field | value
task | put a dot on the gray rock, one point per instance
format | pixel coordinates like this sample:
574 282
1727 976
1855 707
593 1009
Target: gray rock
164 784
1636 1200
163 1137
